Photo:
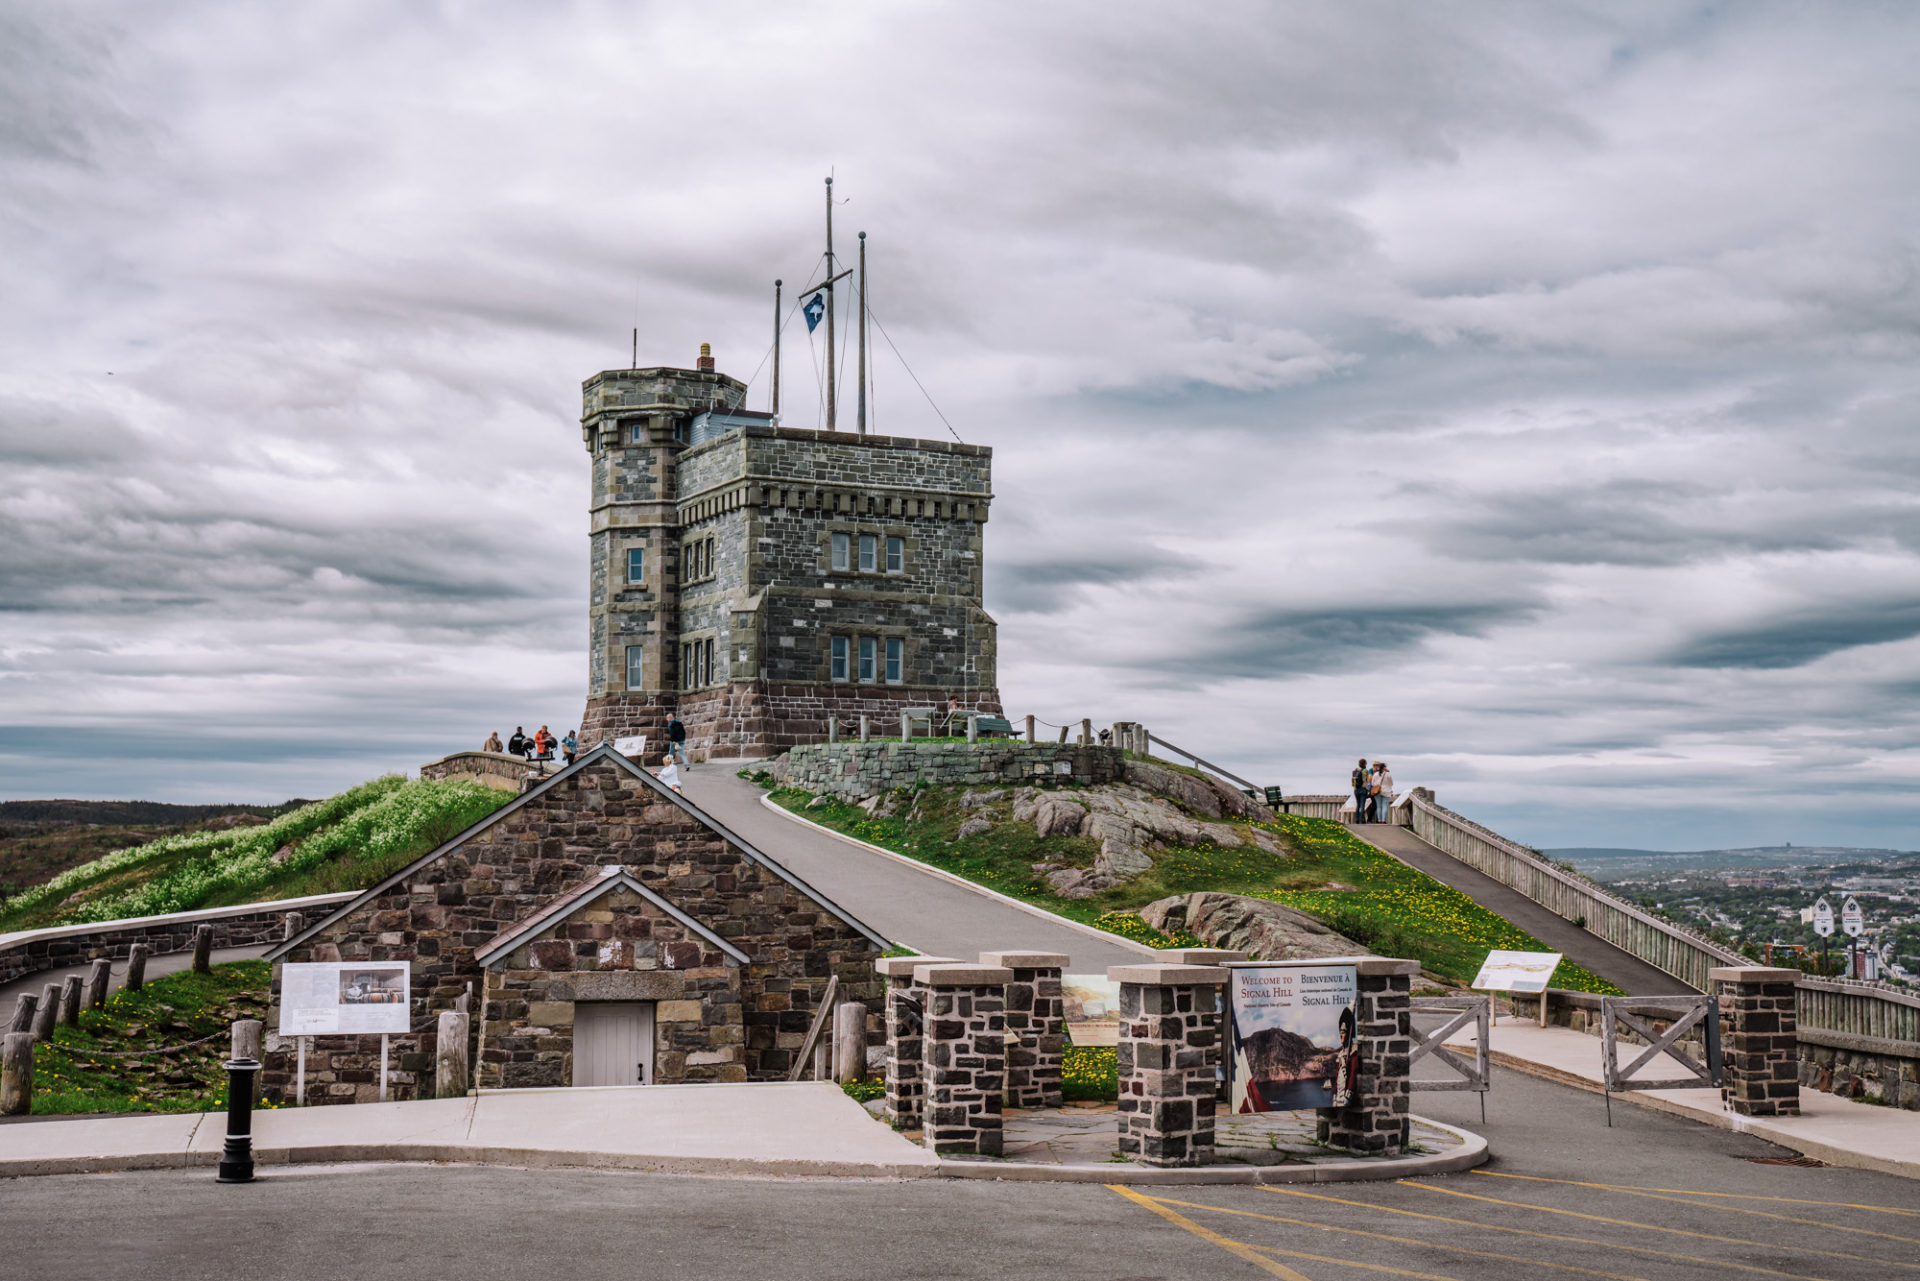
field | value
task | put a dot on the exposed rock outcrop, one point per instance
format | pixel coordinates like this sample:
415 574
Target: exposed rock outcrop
1129 822
1264 930
1202 795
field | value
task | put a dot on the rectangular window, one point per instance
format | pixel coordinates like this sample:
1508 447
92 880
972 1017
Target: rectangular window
636 566
706 662
866 658
896 651
841 549
637 432
709 558
869 553
636 656
896 555
838 650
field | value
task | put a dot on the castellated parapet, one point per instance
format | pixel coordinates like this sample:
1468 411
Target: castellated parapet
759 579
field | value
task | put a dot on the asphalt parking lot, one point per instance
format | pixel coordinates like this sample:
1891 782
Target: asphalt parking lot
1654 1197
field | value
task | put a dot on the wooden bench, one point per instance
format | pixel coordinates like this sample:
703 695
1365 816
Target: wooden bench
995 725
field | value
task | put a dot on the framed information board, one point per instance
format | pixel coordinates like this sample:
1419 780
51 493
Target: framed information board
1293 1036
323 997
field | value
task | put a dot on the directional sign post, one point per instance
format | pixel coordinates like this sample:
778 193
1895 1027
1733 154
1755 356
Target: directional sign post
1823 926
1854 922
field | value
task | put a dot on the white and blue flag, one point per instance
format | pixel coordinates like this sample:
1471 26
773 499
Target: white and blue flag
815 310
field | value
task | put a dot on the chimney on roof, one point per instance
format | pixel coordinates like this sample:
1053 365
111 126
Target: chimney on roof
706 358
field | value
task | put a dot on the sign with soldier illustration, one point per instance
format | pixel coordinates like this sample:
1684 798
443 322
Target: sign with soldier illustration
1294 1036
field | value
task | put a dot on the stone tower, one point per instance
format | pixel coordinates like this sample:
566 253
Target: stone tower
760 579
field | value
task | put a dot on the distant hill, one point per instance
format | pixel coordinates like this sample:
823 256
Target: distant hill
67 813
1613 861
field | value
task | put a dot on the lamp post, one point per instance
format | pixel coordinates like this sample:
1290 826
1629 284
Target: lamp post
236 1158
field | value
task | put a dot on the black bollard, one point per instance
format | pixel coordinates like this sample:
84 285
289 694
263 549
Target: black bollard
236 1158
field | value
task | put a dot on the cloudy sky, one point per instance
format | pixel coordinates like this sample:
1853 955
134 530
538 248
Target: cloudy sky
1522 394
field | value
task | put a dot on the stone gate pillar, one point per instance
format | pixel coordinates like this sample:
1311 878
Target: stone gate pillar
906 1039
1761 1057
1036 1026
966 1055
1168 1059
1375 1118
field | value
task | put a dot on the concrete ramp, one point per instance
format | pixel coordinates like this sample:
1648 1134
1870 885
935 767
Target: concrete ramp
1623 969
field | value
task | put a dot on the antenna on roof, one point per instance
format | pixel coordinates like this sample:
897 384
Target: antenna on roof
636 349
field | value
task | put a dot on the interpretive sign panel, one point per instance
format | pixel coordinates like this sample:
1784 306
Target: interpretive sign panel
631 748
1293 1036
1852 919
1091 1005
1516 971
325 997
1822 917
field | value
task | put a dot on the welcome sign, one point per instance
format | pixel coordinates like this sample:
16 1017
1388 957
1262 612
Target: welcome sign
1294 1036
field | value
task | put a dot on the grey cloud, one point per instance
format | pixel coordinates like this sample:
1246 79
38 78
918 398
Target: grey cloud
1050 586
1797 639
1283 640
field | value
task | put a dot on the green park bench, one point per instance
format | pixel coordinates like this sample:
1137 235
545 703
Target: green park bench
995 725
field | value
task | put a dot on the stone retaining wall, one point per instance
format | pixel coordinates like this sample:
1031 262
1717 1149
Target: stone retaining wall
855 771
60 946
496 769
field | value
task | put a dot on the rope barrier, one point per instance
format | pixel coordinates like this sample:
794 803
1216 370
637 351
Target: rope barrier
135 1054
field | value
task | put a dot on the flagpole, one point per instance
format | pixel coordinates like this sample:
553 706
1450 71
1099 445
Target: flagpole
863 335
776 349
830 388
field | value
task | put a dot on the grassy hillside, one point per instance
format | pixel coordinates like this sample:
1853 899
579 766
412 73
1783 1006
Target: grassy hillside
98 1067
1326 872
41 839
345 842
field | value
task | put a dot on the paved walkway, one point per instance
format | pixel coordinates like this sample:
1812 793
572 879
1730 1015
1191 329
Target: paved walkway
1829 1128
166 963
1623 969
806 1128
900 899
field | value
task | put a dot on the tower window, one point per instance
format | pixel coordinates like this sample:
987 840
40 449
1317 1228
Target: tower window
896 651
842 545
636 566
837 666
869 553
637 431
896 555
866 659
636 662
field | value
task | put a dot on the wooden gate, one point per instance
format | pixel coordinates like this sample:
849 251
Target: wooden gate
613 1043
1474 1076
1617 1012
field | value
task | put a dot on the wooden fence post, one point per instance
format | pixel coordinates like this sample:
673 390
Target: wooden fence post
48 1014
906 728
450 1074
973 729
137 967
70 1001
1029 729
23 1007
203 949
866 729
98 975
833 729
246 1038
849 1042
16 1074
1086 731
295 922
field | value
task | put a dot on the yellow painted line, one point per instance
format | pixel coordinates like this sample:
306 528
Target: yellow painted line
1725 1196
1729 1209
1550 1236
1246 1252
1383 1236
1655 1227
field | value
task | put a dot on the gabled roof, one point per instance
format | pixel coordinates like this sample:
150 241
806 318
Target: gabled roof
604 752
612 877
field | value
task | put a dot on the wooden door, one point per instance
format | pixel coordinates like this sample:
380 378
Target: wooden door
613 1043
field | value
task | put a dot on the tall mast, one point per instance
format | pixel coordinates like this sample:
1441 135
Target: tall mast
863 335
830 388
776 349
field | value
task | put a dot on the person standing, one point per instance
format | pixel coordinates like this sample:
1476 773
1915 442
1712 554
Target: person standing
570 745
1362 791
493 742
517 745
1382 793
677 742
543 742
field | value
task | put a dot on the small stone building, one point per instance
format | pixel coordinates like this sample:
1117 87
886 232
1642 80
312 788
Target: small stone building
604 930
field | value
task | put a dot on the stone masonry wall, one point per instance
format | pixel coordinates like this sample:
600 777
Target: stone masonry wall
855 771
1375 1120
538 849
621 947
